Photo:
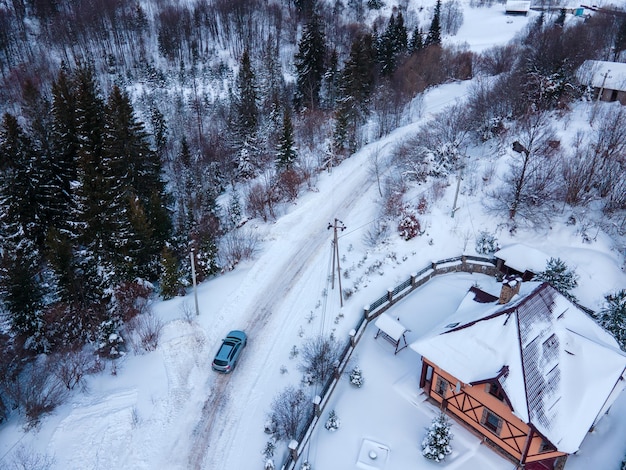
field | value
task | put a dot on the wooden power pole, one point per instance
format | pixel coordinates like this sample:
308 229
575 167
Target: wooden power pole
337 225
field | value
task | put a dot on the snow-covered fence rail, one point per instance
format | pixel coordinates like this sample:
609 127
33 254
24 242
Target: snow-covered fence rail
465 263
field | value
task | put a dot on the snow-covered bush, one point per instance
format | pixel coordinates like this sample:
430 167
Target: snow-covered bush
306 466
436 444
612 317
409 226
560 277
486 243
268 454
333 423
356 377
320 355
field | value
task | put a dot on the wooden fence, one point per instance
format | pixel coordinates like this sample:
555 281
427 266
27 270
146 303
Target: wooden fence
468 264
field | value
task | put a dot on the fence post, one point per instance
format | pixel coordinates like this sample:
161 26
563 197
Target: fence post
390 295
316 405
366 312
413 279
352 335
433 265
293 450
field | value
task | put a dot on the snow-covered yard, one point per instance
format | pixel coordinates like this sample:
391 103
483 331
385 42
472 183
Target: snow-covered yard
389 409
391 414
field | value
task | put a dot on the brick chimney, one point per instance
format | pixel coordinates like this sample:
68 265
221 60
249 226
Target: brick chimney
510 287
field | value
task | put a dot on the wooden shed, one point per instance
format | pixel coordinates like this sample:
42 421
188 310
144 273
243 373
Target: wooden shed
607 79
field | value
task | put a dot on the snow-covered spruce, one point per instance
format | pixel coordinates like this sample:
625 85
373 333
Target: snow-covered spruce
306 466
436 444
486 243
356 377
333 423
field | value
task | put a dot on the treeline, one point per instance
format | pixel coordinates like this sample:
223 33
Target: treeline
82 213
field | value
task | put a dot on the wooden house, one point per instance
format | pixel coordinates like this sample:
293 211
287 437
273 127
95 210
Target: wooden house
528 371
607 79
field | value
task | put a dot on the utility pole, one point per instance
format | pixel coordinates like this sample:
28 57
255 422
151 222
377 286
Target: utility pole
193 278
337 225
456 194
606 75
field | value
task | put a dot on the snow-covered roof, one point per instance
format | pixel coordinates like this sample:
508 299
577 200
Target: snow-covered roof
523 258
562 369
517 6
603 74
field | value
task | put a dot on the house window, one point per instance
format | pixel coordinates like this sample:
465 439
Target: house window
441 387
491 421
495 390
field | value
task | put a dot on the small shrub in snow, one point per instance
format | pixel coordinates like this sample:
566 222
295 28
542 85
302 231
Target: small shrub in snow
306 466
409 227
333 423
356 377
268 454
486 243
436 444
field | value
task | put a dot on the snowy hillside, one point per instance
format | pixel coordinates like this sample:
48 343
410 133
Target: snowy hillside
167 409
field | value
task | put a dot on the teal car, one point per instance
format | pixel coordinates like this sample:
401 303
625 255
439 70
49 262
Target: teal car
229 352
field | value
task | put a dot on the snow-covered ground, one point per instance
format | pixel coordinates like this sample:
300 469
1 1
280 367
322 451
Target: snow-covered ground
169 410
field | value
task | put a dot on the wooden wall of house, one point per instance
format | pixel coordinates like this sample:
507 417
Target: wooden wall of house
472 405
612 95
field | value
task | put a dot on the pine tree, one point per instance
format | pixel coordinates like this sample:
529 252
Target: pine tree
416 43
90 222
357 83
560 277
309 61
21 292
436 444
392 44
330 84
64 146
612 316
620 40
169 281
286 153
136 190
246 98
434 33
20 229
20 183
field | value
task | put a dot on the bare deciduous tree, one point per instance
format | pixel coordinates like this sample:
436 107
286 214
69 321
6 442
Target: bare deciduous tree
320 356
147 329
291 410
531 180
28 459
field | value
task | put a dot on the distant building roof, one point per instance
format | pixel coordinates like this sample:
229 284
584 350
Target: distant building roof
603 74
562 370
517 6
